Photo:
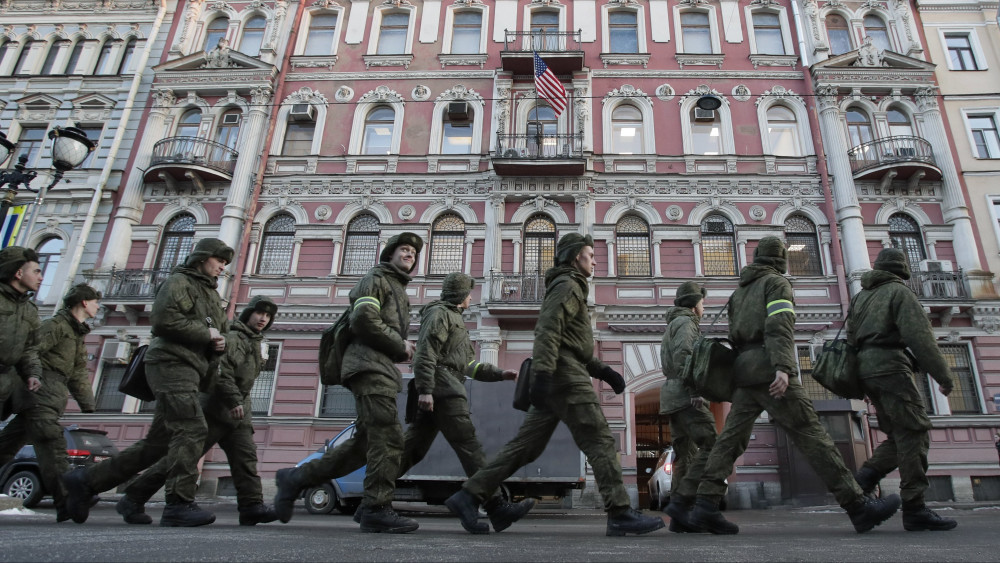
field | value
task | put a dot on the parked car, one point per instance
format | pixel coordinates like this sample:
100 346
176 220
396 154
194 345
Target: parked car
84 447
343 494
661 478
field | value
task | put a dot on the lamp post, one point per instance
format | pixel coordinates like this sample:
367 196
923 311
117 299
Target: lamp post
70 147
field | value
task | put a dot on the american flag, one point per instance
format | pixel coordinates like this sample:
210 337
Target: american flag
549 87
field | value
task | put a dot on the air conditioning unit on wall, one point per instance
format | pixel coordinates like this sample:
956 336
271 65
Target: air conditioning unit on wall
936 266
116 352
704 114
458 111
302 112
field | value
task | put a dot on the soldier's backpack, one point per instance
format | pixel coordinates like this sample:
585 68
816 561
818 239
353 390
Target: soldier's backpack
836 366
332 347
134 382
708 371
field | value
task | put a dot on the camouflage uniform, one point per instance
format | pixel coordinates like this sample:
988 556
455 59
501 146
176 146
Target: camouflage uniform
20 322
240 367
886 319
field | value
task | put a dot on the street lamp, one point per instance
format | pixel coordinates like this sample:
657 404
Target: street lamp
70 147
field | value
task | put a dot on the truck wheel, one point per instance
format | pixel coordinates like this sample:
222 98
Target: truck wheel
26 486
321 499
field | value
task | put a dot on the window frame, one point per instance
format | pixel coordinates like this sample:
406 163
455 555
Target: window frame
105 59
450 27
181 236
813 240
244 29
208 32
621 236
33 154
916 235
543 238
374 235
714 47
852 40
24 59
638 28
74 57
273 361
976 49
376 30
128 50
787 41
435 245
303 45
45 260
371 126
889 46
803 143
730 235
86 128
971 113
978 398
280 245
52 56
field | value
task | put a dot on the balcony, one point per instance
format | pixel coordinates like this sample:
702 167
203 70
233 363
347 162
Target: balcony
561 51
902 157
129 286
539 155
939 286
192 158
515 294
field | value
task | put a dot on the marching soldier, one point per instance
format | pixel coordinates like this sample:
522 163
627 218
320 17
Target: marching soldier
561 390
228 412
20 277
692 425
885 320
380 321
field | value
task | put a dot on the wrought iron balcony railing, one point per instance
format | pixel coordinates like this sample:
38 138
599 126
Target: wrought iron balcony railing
939 285
890 150
135 284
517 288
197 151
542 41
539 147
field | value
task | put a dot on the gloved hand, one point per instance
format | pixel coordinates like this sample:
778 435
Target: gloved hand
539 391
612 378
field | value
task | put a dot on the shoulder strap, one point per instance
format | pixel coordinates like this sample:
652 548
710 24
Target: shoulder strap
850 308
724 308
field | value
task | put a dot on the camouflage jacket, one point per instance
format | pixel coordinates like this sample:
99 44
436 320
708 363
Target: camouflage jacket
886 318
64 362
19 324
238 370
380 324
762 326
682 333
186 305
564 340
444 356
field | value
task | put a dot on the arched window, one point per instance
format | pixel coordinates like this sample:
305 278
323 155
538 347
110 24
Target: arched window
53 54
859 127
803 247
189 124
718 246
456 132
128 55
253 36
228 132
74 58
626 130
696 32
539 244
49 253
783 131
104 63
767 33
466 34
276 244
545 30
905 235
21 66
215 31
623 31
392 35
322 32
447 250
379 127
875 28
177 242
839 34
361 245
632 244
6 46
706 132
542 129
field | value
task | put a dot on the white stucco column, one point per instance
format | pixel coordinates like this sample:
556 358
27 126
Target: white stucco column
489 345
293 268
338 244
131 204
612 262
696 243
657 259
469 241
741 254
251 258
517 255
493 217
245 173
825 241
585 213
845 198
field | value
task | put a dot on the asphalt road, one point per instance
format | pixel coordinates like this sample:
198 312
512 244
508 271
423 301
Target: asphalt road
779 534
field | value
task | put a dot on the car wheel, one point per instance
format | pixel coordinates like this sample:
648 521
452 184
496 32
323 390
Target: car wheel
654 499
348 507
26 486
321 499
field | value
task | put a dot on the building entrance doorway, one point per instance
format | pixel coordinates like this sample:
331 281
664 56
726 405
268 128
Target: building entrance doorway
652 435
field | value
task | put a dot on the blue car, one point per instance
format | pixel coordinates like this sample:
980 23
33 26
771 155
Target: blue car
343 494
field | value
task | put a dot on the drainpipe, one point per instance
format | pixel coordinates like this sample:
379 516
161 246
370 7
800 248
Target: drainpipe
279 93
95 202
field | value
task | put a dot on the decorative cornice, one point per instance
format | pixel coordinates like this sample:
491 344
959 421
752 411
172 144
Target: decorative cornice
700 60
447 60
626 91
622 59
388 60
382 94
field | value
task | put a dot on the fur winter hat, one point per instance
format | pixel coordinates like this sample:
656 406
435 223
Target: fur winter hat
893 260
771 251
396 241
456 287
208 248
261 303
11 260
689 294
78 294
570 246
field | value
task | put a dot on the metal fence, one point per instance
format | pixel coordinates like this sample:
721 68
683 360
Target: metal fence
517 288
195 150
889 150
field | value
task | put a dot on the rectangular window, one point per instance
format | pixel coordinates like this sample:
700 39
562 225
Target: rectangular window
30 143
767 34
109 398
94 133
964 398
322 31
467 29
298 138
985 136
960 55
622 32
337 402
697 34
263 387
814 390
706 137
392 36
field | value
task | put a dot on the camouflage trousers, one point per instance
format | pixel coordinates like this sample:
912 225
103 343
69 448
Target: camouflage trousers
377 442
39 426
176 435
902 418
590 431
692 433
795 414
451 418
241 453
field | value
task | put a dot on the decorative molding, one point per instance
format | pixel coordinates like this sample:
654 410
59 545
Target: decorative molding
665 92
326 61
700 60
458 92
387 60
382 94
625 59
760 60
344 94
674 213
420 93
447 60
780 92
323 212
626 91
704 90
741 92
305 95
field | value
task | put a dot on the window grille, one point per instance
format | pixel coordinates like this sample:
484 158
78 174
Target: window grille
447 248
718 246
276 246
337 402
109 398
361 245
539 244
263 387
803 247
632 246
964 398
905 235
178 240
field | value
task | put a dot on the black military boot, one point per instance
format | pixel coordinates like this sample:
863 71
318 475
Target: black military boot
631 521
679 511
464 505
259 513
133 512
925 519
360 513
78 495
62 514
185 515
870 512
867 479
289 490
503 513
385 519
706 516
